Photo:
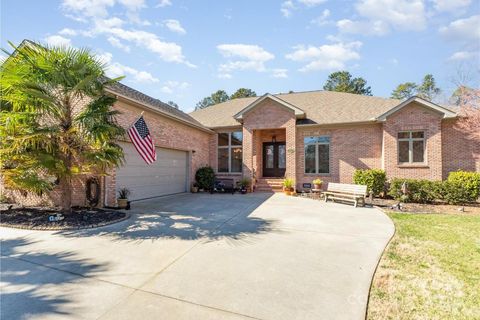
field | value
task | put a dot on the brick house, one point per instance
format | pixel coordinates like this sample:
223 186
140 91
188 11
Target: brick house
301 135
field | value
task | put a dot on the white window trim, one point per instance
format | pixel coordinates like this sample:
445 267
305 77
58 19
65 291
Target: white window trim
410 146
229 147
316 144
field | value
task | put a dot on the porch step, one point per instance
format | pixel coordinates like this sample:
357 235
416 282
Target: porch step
269 185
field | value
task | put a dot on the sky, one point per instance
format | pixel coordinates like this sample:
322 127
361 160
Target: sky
182 51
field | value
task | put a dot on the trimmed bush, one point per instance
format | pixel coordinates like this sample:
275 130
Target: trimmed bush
420 191
455 192
374 179
469 181
205 177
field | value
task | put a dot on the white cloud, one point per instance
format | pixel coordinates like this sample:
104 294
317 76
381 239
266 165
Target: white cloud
96 13
89 8
311 3
380 16
172 86
377 28
109 23
322 19
247 51
133 5
115 69
163 3
463 55
67 32
116 43
174 26
286 8
326 57
252 57
167 51
225 76
279 73
57 40
401 14
465 30
451 5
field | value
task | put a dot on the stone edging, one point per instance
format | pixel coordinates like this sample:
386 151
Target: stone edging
60 228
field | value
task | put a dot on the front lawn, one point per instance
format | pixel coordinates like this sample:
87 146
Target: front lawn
430 269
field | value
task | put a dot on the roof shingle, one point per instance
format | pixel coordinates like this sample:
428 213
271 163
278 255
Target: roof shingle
321 107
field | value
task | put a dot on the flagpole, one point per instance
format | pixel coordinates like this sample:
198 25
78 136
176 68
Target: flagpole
141 114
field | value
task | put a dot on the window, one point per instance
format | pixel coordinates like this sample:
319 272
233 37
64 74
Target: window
230 152
317 154
411 147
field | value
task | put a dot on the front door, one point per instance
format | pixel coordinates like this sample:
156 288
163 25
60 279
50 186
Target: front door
274 159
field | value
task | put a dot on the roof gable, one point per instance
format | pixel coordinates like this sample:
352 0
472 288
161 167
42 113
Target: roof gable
425 103
299 113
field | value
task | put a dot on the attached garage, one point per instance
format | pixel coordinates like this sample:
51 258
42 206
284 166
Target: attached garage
167 175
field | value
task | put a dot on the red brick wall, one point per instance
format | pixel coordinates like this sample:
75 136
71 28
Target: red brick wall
351 147
459 151
414 117
267 115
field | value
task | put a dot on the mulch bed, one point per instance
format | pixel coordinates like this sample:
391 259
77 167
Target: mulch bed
37 218
387 204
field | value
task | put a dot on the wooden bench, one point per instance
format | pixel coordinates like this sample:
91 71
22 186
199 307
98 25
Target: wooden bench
346 192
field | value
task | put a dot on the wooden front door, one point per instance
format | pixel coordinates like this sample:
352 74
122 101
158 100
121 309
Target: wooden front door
274 159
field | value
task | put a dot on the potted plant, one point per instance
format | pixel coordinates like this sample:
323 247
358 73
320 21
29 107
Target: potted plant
288 186
317 183
194 188
123 198
244 185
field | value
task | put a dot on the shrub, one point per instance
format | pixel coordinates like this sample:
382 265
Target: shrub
245 182
421 191
123 193
455 192
374 179
205 177
469 183
288 183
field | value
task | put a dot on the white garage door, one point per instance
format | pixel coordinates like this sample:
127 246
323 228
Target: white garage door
167 175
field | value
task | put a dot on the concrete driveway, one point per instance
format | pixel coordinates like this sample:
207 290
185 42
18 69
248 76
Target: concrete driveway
200 256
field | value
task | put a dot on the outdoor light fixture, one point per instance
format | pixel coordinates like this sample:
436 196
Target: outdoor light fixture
274 139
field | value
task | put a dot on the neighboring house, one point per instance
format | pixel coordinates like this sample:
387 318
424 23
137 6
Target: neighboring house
301 135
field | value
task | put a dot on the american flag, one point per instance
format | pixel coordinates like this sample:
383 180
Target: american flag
141 139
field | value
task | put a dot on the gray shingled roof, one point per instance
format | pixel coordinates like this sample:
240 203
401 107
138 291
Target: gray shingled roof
142 98
320 107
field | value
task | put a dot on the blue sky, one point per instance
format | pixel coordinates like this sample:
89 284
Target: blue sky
184 50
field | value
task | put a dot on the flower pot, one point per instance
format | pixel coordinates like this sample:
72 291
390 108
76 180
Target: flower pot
288 191
318 186
243 190
194 189
122 203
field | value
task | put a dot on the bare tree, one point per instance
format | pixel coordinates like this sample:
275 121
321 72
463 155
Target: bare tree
467 98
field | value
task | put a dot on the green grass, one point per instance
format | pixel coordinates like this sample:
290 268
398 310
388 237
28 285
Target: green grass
430 270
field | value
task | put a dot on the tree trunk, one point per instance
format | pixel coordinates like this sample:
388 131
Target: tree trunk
66 185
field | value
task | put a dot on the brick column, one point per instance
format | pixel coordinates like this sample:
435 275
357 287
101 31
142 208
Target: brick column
290 132
247 153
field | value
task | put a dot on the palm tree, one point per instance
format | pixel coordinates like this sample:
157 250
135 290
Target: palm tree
56 120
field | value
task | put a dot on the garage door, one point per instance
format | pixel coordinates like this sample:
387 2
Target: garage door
167 175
